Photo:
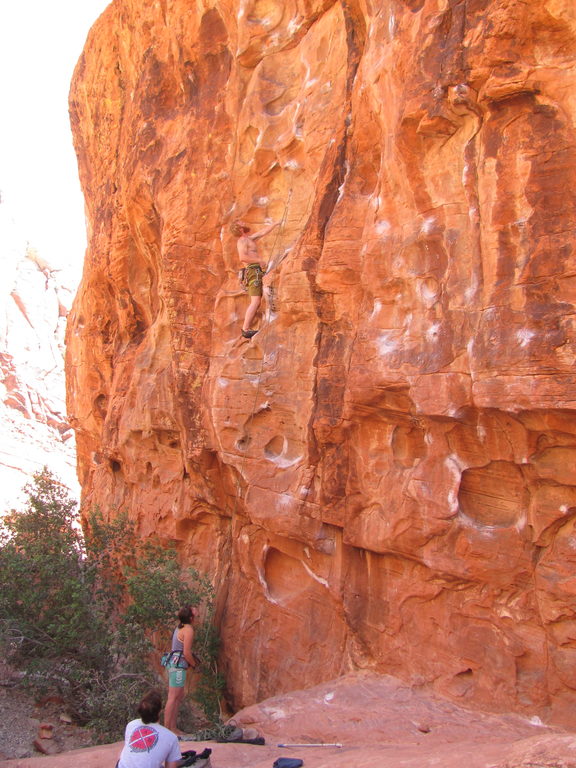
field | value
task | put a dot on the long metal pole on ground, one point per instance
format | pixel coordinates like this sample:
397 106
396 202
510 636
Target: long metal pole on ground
298 746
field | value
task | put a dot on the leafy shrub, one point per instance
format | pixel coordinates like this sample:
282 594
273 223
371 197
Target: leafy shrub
78 612
45 596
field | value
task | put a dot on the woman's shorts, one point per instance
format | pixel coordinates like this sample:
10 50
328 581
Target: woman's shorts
176 677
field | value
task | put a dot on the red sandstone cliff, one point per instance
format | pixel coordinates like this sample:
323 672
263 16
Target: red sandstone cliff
385 477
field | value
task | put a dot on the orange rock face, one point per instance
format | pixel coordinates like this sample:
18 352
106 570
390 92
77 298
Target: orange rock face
385 476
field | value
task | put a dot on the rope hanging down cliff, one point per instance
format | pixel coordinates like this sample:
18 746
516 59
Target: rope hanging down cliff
251 274
263 338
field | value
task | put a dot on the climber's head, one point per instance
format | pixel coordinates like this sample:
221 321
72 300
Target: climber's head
239 228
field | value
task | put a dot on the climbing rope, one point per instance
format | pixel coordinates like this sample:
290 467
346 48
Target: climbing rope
263 335
272 263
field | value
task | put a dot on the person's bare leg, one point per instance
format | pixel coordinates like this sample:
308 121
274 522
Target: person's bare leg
251 312
169 709
175 696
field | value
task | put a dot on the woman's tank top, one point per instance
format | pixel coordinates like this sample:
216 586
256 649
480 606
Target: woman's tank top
178 645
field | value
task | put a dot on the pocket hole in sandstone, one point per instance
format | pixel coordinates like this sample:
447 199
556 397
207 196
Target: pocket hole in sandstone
169 438
115 466
243 443
285 576
274 447
465 673
100 404
493 495
462 682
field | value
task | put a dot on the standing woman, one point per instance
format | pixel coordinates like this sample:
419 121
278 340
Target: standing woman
182 640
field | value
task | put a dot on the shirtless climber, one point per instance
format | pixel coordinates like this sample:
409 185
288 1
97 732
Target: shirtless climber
253 274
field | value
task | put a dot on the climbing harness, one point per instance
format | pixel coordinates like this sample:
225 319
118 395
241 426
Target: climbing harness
251 278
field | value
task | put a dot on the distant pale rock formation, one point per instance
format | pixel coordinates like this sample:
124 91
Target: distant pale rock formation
34 303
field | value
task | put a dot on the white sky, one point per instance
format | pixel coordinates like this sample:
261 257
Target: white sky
40 43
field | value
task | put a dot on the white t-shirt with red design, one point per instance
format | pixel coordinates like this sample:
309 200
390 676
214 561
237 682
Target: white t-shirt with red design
148 746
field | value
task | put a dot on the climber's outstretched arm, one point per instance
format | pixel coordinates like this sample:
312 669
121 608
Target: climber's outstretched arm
264 230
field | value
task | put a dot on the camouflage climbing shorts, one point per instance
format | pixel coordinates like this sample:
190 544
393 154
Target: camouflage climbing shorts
252 279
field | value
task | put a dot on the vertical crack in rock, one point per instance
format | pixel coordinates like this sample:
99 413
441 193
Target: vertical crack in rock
329 390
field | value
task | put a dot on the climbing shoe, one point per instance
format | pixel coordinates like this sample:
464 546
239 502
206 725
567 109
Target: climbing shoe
249 334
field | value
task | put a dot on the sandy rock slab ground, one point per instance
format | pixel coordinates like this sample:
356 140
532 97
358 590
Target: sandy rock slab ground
379 722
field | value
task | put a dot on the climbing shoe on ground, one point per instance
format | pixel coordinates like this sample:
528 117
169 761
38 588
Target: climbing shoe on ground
249 334
188 758
288 762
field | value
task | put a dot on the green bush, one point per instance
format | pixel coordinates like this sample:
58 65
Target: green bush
46 596
78 611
